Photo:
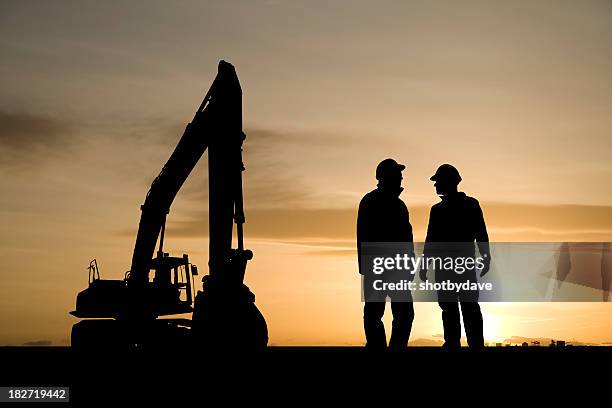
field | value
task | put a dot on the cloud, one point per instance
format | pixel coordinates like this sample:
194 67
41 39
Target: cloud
25 136
280 224
334 252
38 343
270 179
25 130
279 163
506 222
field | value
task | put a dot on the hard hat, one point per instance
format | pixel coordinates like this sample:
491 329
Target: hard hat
388 167
446 172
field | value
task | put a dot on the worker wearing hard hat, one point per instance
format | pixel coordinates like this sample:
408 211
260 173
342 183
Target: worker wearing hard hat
383 218
455 224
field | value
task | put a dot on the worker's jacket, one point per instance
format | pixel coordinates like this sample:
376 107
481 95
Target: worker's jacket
383 217
457 221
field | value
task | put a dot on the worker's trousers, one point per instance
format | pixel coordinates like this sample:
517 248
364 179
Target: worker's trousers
472 319
450 301
403 316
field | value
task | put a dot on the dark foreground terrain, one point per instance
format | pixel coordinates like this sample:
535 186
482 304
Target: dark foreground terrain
313 375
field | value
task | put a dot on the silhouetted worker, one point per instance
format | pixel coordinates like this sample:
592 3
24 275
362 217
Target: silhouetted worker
454 224
383 217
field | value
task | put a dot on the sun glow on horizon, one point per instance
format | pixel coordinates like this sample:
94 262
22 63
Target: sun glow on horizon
492 328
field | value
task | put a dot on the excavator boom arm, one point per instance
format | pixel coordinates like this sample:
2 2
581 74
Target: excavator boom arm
217 125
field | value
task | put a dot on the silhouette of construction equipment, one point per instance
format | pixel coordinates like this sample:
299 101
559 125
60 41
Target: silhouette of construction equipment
125 313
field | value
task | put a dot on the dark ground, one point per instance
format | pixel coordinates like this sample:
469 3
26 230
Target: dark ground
312 375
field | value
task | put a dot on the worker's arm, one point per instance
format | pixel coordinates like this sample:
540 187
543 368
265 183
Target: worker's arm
429 238
362 217
406 228
482 238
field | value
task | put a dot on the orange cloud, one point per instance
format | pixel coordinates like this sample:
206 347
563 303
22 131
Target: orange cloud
506 222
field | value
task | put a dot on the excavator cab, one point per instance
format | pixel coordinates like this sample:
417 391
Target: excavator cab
170 291
172 283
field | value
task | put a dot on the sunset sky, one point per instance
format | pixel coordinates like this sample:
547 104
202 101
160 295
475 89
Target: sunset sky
95 95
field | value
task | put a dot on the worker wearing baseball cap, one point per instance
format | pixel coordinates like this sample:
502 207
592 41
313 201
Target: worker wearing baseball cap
455 224
383 218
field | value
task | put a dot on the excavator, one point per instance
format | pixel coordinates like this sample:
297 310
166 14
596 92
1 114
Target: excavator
136 312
